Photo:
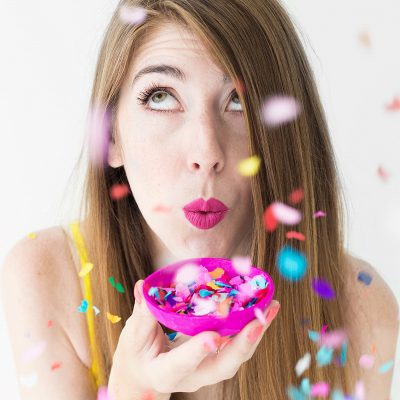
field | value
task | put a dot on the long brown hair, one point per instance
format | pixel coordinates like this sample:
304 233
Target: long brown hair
255 42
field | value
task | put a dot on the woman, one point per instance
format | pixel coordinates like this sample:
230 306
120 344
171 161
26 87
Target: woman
184 88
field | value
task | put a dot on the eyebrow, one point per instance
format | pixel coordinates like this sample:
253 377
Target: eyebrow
169 70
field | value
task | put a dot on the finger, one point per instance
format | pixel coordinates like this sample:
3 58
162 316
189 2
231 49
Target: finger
141 325
185 358
238 350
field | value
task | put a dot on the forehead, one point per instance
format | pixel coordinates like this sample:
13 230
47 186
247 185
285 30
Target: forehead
173 44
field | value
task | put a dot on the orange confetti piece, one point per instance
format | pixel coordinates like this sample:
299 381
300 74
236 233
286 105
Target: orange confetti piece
212 285
119 191
113 318
32 235
296 196
55 366
295 235
217 273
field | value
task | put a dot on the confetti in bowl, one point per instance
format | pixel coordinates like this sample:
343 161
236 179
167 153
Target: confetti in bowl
192 303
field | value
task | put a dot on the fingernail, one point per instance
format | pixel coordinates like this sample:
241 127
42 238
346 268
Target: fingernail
227 341
272 314
137 294
255 333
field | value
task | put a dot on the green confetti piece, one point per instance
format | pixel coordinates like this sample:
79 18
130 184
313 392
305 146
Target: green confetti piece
119 288
112 281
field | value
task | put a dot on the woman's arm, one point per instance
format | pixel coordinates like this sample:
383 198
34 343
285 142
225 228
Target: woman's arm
39 299
374 327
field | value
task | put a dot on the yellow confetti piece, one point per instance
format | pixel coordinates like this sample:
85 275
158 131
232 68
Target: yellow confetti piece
249 166
113 318
212 285
32 235
86 268
217 273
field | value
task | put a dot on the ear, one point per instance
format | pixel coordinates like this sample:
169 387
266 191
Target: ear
114 154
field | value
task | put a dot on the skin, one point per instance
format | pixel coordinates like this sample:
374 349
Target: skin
173 158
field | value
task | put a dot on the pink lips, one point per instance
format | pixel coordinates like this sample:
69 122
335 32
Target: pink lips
205 214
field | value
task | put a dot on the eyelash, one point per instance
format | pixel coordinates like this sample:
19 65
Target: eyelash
145 95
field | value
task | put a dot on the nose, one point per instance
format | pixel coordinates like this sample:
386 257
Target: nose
207 152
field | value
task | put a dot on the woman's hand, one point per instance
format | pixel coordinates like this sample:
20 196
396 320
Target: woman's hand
146 363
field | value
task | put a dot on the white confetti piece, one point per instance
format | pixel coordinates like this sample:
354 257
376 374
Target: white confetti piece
278 110
132 15
303 364
241 264
285 214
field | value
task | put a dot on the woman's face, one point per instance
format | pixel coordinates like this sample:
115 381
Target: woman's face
186 152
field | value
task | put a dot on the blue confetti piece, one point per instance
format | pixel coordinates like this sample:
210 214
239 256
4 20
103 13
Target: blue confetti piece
292 264
305 386
386 367
222 284
295 394
324 356
83 307
233 292
365 278
313 335
171 336
154 291
205 293
343 354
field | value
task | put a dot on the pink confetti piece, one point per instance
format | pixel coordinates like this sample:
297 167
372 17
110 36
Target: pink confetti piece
132 15
102 393
242 265
323 288
383 174
285 214
187 274
334 338
359 391
394 105
319 214
320 389
98 133
296 196
295 235
50 323
119 190
366 361
280 109
55 365
323 330
34 351
260 316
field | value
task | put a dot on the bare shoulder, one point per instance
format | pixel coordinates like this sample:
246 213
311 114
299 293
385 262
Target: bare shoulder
372 325
41 292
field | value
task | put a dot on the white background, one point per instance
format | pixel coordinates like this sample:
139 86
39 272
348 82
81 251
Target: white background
48 53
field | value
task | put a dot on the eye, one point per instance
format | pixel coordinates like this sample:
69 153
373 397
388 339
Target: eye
158 94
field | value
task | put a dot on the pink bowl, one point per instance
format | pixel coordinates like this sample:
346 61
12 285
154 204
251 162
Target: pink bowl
194 324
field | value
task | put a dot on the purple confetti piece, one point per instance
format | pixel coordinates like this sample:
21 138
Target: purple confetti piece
323 288
365 278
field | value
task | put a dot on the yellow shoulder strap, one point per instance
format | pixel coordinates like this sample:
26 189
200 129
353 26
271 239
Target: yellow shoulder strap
83 257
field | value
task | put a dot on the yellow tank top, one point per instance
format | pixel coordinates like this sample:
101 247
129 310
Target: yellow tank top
95 370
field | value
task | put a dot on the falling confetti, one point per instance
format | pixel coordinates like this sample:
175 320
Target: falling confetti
320 389
117 286
28 380
50 323
319 214
395 105
55 365
84 306
242 265
295 235
386 367
291 263
119 190
86 268
96 310
365 39
296 196
364 278
187 274
334 338
102 393
132 15
113 318
286 214
359 391
249 166
303 364
34 351
269 219
98 132
366 361
383 174
32 235
323 288
278 110
324 355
